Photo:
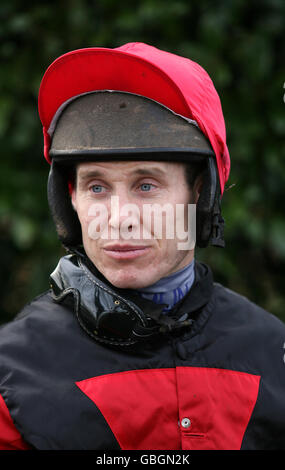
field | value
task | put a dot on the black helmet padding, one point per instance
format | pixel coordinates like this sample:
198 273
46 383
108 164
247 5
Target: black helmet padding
65 218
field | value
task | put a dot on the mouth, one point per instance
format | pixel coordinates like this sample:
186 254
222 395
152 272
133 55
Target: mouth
125 251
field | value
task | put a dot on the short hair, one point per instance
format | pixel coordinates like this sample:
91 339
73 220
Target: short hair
193 170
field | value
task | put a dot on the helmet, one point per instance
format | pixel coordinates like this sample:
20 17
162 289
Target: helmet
133 102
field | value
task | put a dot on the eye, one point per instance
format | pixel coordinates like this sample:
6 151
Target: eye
97 188
146 186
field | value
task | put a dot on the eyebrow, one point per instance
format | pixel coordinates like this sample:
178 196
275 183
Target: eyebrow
151 170
89 174
84 175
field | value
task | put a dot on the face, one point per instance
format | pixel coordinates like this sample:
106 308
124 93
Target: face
130 244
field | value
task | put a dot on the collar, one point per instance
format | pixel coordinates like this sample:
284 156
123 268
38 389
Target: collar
121 316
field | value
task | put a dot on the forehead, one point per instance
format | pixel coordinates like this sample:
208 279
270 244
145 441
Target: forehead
131 167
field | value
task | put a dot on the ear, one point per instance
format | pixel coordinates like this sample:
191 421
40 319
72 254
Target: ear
197 188
72 192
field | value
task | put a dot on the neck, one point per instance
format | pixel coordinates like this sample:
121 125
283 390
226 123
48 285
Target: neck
169 290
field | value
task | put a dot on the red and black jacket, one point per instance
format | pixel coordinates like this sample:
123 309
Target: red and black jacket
216 382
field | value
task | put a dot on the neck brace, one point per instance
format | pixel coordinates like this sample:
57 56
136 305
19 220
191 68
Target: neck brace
121 317
102 311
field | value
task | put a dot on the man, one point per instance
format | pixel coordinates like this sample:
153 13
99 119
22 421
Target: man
134 346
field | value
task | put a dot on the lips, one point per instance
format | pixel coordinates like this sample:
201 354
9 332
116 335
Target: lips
118 251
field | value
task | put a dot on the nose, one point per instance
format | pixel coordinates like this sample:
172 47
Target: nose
124 218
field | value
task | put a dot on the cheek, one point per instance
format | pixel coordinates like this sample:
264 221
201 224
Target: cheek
82 215
94 220
82 210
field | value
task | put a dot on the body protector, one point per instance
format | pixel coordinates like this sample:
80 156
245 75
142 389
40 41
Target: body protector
134 102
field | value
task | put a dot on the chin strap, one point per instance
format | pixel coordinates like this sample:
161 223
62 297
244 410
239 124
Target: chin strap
164 324
210 223
217 236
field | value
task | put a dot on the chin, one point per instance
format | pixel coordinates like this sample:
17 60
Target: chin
128 280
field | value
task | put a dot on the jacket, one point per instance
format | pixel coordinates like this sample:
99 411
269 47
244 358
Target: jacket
211 376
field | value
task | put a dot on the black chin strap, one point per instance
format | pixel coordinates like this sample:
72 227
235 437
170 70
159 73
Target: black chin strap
210 223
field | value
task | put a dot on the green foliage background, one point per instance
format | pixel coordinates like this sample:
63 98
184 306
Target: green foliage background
241 45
